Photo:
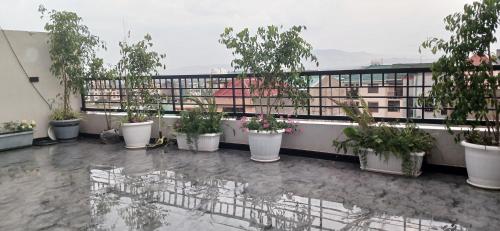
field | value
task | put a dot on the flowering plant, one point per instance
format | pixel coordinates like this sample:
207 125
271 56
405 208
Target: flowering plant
20 126
268 123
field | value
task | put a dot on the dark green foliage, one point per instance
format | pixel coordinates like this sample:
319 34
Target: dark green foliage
383 139
469 85
201 120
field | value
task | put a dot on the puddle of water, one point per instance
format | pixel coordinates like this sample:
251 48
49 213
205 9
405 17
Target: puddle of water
168 200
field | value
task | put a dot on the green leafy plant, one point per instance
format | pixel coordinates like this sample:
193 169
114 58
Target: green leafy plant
203 119
464 77
137 66
382 138
72 51
20 126
274 59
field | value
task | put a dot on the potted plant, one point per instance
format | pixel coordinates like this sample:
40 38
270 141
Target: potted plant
383 148
465 80
136 67
16 134
273 59
200 129
72 50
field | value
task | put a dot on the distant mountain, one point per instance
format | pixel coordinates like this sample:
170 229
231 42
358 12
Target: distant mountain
333 59
200 69
329 59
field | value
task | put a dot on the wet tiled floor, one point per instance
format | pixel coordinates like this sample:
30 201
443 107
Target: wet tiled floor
90 186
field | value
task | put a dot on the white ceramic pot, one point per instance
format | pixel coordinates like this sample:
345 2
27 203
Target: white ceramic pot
204 142
483 165
136 135
378 163
16 140
265 145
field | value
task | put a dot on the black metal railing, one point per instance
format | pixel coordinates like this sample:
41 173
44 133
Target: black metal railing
392 94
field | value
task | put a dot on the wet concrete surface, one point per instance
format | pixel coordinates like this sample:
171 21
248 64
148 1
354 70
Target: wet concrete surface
91 186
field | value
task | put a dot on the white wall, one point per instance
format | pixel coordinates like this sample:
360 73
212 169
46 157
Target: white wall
315 136
18 99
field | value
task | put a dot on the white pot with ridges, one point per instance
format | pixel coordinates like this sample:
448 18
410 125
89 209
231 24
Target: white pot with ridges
265 145
208 142
136 135
392 165
483 165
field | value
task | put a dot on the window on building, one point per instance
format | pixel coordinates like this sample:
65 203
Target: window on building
393 105
353 92
373 88
230 109
373 106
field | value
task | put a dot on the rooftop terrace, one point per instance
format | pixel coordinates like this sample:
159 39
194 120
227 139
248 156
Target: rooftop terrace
90 186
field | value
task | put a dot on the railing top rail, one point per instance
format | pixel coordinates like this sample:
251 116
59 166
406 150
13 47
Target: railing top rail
374 70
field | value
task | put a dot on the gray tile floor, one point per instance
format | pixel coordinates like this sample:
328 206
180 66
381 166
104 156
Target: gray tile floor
90 186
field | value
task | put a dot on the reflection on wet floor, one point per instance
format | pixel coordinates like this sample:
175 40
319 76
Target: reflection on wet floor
167 199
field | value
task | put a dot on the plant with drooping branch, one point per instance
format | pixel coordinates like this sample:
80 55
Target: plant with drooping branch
72 50
273 59
464 77
136 67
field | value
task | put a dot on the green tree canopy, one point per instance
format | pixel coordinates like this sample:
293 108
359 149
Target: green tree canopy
275 57
463 76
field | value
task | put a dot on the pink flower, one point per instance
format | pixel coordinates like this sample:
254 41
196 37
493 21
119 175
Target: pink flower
288 130
243 119
265 125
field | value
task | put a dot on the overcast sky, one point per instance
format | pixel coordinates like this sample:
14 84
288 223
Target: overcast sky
188 30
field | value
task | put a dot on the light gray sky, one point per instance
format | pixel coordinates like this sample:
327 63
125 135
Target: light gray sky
188 30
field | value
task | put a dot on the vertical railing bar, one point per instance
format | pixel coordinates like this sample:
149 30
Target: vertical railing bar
395 84
309 93
172 90
408 97
233 91
320 96
243 103
121 92
424 103
83 94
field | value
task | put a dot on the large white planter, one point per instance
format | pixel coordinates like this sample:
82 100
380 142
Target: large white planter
483 165
265 145
392 165
16 140
204 142
136 135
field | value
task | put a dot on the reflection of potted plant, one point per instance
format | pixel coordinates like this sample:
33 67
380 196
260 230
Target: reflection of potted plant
17 134
136 66
71 48
274 60
464 79
383 148
200 127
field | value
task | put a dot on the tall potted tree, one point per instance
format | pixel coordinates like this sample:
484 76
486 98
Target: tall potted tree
273 59
72 50
136 67
465 80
